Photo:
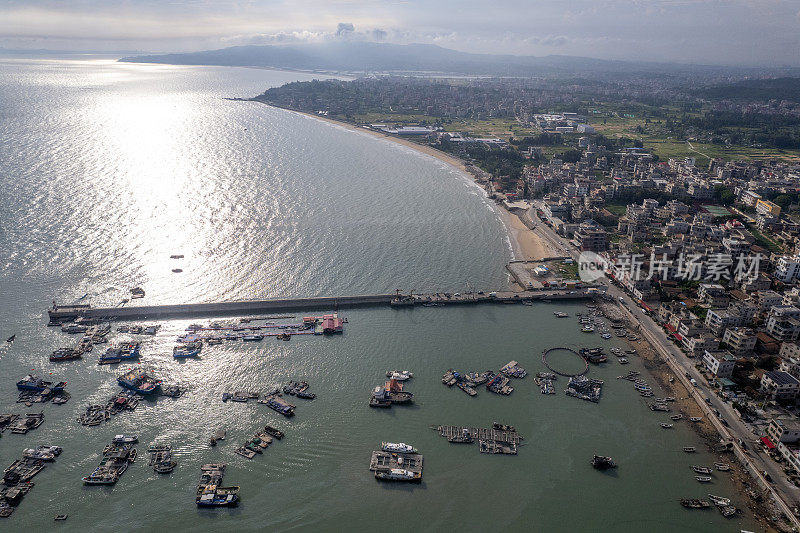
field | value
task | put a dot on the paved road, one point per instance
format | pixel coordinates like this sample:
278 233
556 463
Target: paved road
786 494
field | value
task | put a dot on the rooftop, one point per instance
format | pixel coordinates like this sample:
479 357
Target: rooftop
782 378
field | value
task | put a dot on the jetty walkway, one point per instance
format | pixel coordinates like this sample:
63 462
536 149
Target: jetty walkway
274 305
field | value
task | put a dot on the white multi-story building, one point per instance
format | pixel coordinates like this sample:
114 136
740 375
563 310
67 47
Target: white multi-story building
740 341
719 362
779 385
696 346
787 268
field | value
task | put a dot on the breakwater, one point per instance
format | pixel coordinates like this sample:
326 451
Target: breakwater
243 307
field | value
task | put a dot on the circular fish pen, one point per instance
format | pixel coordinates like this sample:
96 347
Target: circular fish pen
549 351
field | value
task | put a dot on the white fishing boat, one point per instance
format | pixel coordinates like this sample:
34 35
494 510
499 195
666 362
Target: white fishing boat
719 500
399 375
703 479
666 426
397 447
398 474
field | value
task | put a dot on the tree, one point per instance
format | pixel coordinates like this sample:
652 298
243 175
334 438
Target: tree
783 200
726 196
571 156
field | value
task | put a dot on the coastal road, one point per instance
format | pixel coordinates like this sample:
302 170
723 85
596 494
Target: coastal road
785 494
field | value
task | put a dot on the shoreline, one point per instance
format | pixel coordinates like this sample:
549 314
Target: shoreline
660 370
525 243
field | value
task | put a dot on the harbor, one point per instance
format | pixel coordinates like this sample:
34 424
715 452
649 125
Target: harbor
467 419
219 201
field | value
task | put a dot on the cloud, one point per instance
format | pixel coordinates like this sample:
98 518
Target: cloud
344 28
756 32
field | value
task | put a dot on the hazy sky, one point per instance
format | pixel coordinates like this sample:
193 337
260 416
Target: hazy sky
700 31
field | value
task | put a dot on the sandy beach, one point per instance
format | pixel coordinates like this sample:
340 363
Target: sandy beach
527 244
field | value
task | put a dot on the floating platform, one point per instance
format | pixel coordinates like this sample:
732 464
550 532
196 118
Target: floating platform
456 433
388 460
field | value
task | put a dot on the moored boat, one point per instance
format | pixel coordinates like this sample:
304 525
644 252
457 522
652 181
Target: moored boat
139 381
398 474
703 479
719 500
701 469
397 447
120 352
37 384
601 462
400 375
722 467
689 449
179 352
694 503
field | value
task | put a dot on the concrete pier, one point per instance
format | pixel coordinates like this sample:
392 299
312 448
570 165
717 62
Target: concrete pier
324 303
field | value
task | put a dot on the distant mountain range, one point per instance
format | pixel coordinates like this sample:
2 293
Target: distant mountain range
385 57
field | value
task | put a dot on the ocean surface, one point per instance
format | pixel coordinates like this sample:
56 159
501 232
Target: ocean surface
107 169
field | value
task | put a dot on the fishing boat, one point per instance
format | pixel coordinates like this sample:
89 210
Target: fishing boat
727 510
695 418
397 447
676 417
398 474
602 462
252 337
694 503
11 338
140 382
701 469
179 352
65 354
666 426
587 329
165 467
41 454
689 449
120 352
400 375
719 500
703 479
125 439
722 467
220 497
37 384
278 434
211 341
561 314
623 361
